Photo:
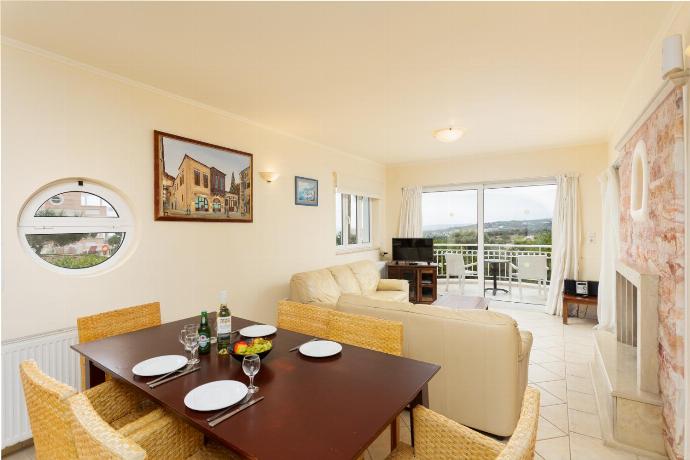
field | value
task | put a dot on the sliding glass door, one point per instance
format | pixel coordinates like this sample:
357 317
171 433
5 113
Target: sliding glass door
501 231
451 218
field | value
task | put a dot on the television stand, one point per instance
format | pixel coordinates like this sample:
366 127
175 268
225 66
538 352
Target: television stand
422 279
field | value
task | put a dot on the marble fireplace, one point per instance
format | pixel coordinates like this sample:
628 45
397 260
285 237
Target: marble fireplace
626 367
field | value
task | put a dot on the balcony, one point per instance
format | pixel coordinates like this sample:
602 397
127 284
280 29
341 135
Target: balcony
510 252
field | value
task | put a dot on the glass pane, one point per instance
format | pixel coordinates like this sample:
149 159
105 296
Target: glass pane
338 219
76 204
450 218
366 224
517 241
352 237
76 250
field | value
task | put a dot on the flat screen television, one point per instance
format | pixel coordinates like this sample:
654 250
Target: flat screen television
413 249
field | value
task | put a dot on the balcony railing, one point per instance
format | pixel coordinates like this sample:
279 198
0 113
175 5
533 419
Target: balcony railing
470 253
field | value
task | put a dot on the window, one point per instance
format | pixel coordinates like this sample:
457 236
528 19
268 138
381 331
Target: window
197 177
201 203
205 180
352 220
76 227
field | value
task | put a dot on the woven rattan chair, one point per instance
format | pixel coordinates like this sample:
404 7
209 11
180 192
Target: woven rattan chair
46 403
155 436
303 318
366 332
116 322
439 438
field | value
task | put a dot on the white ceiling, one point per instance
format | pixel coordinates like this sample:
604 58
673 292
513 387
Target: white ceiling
372 79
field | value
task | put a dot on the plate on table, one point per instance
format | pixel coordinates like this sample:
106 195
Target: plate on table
216 395
258 330
320 349
159 365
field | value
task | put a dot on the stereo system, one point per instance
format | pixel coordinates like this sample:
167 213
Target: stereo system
582 288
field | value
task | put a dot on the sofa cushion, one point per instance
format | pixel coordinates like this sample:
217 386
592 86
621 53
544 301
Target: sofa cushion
345 279
367 275
315 286
391 296
349 301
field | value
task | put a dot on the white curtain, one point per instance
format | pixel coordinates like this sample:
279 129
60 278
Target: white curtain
565 230
610 193
411 213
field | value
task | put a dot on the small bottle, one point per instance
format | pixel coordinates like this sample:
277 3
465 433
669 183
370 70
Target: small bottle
204 334
223 323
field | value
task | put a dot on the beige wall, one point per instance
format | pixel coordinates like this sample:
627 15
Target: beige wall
60 120
647 80
588 161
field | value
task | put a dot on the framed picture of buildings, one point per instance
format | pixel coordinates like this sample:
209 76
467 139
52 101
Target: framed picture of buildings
306 191
198 181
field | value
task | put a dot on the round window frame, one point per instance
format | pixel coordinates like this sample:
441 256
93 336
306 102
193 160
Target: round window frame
29 224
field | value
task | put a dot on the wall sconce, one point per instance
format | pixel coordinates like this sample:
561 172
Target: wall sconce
269 176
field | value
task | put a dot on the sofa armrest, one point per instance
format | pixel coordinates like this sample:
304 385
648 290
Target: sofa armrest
525 345
393 285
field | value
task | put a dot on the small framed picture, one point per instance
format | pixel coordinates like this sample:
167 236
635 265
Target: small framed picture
306 191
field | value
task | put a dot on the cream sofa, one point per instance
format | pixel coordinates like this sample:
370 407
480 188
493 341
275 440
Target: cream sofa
361 279
483 355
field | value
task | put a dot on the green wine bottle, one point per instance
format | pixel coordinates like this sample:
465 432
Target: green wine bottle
204 334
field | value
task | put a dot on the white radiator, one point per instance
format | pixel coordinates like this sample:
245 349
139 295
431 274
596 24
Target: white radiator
54 356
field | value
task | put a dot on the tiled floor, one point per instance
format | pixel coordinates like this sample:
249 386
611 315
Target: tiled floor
568 423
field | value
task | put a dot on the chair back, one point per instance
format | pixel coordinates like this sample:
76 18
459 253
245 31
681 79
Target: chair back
116 322
303 318
94 438
46 403
455 264
532 266
366 332
524 439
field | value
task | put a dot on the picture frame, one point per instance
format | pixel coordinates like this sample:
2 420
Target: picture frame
306 191
201 182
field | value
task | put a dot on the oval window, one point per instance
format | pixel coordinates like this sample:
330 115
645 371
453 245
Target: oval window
74 226
639 183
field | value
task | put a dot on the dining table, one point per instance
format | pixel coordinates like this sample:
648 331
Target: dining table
320 408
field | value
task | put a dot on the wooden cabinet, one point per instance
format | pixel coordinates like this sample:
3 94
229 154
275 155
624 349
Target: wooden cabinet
422 279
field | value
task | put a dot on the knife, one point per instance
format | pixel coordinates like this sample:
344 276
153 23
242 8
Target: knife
216 421
228 409
297 347
158 379
161 382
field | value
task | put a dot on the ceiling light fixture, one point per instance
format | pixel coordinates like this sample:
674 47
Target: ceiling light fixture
448 134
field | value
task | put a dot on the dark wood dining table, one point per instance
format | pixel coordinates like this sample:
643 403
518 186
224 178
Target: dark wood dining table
331 408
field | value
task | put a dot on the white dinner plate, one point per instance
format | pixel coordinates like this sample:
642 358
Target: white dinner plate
159 365
215 395
258 330
320 349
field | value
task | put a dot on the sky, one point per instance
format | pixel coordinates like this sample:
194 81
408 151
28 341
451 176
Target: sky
506 203
175 150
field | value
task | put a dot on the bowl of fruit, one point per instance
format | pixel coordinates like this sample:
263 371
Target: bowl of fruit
242 348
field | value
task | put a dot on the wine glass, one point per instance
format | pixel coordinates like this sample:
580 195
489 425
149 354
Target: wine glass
186 329
192 344
251 365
